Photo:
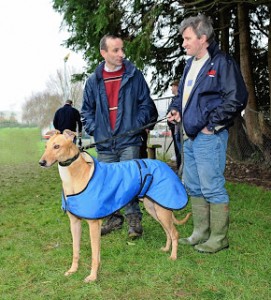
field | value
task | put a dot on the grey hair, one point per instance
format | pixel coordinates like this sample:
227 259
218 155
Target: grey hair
201 25
103 45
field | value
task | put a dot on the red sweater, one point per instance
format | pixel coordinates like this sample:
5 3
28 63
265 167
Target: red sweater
112 81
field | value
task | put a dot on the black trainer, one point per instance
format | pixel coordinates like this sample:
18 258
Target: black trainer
112 223
135 228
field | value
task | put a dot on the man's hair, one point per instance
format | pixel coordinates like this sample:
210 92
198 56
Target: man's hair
201 25
175 82
103 45
69 102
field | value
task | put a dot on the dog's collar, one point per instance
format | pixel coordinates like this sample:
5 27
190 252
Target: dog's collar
69 161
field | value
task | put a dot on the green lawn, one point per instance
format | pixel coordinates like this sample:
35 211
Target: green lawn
35 243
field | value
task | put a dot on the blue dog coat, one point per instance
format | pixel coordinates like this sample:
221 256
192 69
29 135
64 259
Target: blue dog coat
114 185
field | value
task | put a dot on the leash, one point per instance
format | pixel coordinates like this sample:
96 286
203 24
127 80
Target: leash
180 171
169 146
130 132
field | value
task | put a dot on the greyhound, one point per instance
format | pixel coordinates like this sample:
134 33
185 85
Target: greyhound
78 170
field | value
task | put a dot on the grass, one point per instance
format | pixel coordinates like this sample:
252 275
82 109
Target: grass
35 243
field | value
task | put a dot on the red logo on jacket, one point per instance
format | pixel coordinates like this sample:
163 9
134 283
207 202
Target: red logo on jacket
211 73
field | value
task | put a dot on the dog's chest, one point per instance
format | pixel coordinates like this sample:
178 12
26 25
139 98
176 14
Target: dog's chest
66 180
65 175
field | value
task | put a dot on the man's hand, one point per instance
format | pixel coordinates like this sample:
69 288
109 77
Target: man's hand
174 116
206 131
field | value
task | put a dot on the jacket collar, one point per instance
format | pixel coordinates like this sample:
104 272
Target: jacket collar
129 69
213 49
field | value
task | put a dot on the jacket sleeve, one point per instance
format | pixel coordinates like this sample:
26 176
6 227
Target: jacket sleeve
175 104
78 120
55 120
88 108
234 95
147 111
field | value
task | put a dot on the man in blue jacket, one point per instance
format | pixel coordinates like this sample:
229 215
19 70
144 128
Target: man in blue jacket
117 100
210 94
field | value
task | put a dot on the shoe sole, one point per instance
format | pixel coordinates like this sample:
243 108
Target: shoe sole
113 229
134 235
207 252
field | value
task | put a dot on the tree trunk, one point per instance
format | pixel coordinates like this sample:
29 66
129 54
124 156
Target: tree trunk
224 21
251 115
258 131
269 58
239 147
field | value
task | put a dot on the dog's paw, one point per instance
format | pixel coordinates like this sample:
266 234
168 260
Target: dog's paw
70 272
173 257
165 249
90 278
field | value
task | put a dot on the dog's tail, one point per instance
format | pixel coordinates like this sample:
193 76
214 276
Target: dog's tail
183 221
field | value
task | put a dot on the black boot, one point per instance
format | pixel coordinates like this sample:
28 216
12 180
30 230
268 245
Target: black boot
112 223
135 228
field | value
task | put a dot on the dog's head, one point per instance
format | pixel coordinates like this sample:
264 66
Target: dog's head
59 148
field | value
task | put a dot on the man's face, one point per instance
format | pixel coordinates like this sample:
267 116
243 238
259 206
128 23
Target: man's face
174 89
114 54
193 45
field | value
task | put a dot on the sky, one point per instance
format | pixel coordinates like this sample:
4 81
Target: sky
30 50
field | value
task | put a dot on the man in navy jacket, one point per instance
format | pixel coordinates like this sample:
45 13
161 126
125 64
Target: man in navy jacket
116 100
210 94
68 117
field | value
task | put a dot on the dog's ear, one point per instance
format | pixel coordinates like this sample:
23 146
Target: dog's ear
69 134
52 132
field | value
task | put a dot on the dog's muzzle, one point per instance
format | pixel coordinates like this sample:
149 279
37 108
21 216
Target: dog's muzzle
42 163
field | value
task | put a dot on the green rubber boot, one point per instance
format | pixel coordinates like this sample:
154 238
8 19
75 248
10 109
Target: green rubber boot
219 224
201 222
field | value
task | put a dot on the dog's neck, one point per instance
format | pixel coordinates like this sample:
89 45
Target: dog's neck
76 175
69 161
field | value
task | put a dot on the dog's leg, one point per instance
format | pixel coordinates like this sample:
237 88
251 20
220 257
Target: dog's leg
164 217
95 240
166 220
76 231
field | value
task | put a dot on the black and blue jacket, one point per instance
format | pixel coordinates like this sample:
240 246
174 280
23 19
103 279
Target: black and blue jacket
135 109
219 94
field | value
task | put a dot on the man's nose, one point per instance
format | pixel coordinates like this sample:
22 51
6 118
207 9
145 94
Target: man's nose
121 53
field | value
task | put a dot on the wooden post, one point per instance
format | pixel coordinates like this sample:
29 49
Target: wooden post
152 150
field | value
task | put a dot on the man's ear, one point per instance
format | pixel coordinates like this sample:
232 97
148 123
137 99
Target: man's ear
103 53
203 38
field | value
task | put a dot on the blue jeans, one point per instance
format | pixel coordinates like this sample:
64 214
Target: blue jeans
204 166
128 153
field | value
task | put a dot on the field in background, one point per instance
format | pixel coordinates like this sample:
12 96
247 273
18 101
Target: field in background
35 243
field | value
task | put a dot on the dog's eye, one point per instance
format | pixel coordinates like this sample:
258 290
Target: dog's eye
56 146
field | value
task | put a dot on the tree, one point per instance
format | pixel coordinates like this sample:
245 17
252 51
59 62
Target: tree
269 57
149 30
60 81
258 130
40 108
152 41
